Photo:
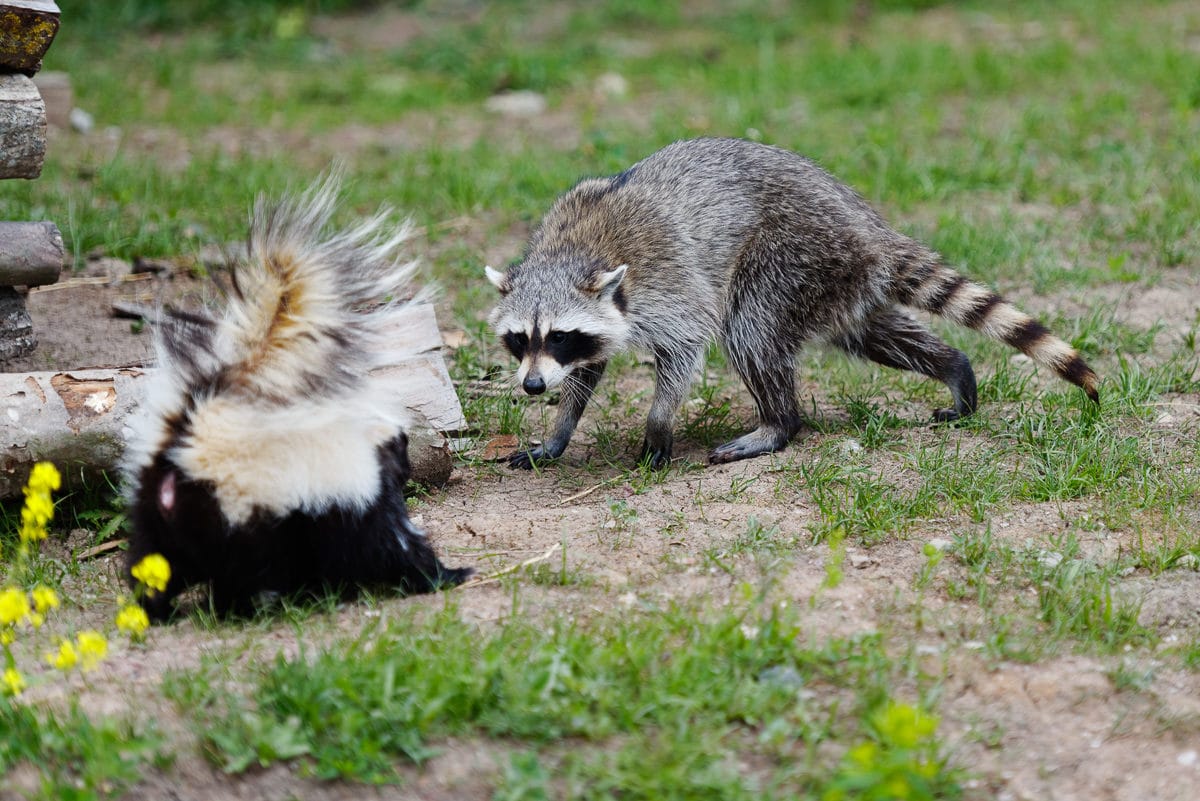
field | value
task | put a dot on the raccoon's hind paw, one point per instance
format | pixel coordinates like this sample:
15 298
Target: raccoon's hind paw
765 439
656 457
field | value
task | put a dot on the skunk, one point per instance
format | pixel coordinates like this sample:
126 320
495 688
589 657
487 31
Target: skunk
267 458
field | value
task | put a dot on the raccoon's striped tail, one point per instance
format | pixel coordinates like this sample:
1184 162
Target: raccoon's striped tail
936 288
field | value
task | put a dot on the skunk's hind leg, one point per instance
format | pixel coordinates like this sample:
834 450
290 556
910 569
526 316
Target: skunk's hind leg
391 549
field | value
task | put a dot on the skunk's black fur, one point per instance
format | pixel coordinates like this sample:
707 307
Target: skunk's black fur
268 459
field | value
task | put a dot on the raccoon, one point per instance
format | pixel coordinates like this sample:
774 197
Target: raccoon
758 248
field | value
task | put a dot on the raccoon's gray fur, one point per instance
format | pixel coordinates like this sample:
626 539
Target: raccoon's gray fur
758 248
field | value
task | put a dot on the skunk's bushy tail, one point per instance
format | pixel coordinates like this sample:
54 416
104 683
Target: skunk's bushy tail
294 325
273 401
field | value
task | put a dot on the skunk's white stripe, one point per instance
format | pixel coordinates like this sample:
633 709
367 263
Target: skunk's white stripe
306 458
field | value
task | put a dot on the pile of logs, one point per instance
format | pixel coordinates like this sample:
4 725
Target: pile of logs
31 253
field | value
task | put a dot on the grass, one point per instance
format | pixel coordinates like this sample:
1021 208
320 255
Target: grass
68 756
647 699
1047 149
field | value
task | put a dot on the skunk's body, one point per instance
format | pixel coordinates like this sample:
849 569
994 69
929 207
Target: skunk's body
267 457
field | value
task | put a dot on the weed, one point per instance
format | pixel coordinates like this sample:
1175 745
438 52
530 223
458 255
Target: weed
757 537
1128 677
1077 599
74 757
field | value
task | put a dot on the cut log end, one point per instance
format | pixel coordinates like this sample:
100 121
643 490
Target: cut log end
31 253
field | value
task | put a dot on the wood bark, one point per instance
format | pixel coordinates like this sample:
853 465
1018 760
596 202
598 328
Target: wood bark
27 27
16 328
79 419
31 253
22 128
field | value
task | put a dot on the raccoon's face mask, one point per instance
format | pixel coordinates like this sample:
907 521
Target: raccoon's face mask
553 333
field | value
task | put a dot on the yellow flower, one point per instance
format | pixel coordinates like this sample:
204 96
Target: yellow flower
44 599
13 682
45 478
863 755
154 571
39 508
904 725
92 648
897 787
7 636
14 606
133 620
66 658
35 516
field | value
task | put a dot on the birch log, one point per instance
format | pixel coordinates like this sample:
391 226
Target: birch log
22 128
79 419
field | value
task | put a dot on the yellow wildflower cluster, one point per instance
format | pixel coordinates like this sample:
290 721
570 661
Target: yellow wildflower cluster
19 607
12 682
16 608
903 725
132 620
87 650
39 506
899 763
154 572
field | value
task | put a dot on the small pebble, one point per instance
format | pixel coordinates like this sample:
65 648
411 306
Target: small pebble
81 121
516 104
612 84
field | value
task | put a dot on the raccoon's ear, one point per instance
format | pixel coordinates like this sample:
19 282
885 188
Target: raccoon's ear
606 284
498 279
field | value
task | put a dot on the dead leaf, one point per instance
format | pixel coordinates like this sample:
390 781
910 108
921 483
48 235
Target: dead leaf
498 447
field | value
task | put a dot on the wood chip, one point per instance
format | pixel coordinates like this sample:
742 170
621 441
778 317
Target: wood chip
98 550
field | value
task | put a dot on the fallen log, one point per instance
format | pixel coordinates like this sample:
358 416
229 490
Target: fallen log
31 253
27 27
22 128
79 419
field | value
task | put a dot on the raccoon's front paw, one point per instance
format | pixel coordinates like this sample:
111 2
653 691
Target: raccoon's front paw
948 416
525 460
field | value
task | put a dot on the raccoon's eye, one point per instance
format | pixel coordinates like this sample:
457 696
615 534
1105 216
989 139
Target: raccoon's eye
516 342
573 347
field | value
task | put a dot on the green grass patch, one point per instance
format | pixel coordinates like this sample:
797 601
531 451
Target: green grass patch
72 756
671 686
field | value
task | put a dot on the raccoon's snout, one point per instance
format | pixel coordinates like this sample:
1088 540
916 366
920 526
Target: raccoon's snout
534 384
